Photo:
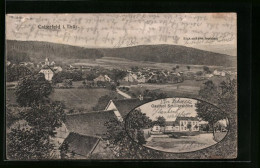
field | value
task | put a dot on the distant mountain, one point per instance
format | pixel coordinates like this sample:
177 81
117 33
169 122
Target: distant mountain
18 51
171 54
37 51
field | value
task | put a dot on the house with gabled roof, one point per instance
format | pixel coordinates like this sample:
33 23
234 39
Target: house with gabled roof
184 122
181 124
78 146
85 133
170 126
90 123
122 107
130 77
102 78
48 72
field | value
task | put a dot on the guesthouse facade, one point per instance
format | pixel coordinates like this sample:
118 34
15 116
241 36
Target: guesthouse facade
181 124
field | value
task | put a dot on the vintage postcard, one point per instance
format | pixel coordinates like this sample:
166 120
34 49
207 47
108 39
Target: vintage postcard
121 86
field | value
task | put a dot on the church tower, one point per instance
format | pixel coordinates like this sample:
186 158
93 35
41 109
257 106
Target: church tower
47 62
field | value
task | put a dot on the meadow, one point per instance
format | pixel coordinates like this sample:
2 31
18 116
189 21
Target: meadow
112 62
183 144
187 88
75 98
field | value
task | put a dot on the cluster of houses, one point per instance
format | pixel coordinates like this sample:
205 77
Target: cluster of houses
146 75
48 69
142 75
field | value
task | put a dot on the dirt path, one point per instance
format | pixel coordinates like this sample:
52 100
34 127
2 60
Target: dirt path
123 94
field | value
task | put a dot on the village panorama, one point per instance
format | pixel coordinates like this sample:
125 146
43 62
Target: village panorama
105 107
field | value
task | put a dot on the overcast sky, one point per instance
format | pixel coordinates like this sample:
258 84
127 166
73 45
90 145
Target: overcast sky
215 32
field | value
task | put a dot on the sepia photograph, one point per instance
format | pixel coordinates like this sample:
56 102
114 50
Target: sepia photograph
91 86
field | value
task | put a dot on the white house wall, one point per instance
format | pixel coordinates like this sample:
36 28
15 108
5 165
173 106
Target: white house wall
112 106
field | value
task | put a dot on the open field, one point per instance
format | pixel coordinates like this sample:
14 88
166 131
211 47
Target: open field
183 144
79 98
187 88
73 98
112 62
171 90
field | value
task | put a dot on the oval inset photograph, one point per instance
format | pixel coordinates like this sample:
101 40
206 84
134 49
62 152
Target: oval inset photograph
177 125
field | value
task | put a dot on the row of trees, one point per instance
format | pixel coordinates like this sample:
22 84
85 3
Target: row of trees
205 68
60 76
114 74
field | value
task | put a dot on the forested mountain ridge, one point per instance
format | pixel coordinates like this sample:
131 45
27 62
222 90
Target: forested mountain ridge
18 51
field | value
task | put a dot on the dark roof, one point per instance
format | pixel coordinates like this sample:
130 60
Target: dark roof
124 106
92 123
79 144
170 123
47 67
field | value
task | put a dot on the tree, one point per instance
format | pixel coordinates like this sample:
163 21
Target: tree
84 83
188 67
28 144
91 76
199 73
45 117
124 147
32 89
138 120
13 114
76 75
33 140
189 126
154 95
118 74
208 112
228 99
134 68
160 121
206 69
59 77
